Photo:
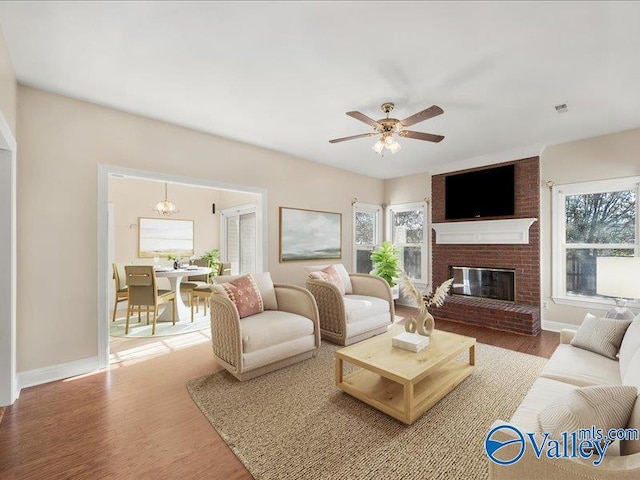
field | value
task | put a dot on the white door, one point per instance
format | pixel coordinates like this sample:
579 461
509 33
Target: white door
239 239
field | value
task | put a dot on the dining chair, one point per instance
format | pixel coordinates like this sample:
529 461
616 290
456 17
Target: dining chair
144 294
195 281
205 292
121 293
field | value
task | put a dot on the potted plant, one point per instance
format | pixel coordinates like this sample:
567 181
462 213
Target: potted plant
213 256
386 265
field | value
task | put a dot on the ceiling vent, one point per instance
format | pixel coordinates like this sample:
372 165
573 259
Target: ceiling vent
563 108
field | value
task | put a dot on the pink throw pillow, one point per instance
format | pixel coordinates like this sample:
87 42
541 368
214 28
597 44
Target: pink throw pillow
244 293
330 274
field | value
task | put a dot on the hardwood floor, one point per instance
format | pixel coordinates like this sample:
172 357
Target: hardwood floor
137 420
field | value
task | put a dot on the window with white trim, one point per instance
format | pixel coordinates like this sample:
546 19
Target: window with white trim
591 220
367 235
407 230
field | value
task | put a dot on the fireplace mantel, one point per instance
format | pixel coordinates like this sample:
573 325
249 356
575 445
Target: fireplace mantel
511 231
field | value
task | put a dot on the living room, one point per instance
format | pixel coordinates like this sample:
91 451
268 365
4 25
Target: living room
247 96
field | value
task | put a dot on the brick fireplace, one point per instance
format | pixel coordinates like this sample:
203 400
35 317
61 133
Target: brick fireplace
521 315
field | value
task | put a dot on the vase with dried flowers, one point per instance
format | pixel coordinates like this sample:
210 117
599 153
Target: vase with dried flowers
425 323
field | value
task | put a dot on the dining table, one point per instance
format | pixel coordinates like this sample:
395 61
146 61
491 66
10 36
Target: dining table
175 276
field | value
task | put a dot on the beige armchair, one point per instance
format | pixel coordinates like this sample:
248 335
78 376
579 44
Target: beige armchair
286 332
365 310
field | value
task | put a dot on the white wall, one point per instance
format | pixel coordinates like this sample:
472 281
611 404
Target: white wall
609 156
62 143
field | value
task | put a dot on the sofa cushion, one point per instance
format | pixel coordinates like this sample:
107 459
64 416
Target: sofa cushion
581 367
600 335
543 392
271 328
632 377
344 275
604 406
630 345
368 324
359 307
629 447
264 283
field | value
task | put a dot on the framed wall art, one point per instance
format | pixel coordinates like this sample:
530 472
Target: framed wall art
161 237
309 235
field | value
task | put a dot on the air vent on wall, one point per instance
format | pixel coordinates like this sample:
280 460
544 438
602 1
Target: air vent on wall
563 108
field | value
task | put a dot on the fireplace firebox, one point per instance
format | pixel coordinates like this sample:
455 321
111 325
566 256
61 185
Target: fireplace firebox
495 283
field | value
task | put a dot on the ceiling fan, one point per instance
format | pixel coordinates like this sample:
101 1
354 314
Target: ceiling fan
387 127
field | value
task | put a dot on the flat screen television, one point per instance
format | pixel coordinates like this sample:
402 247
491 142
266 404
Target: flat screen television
482 193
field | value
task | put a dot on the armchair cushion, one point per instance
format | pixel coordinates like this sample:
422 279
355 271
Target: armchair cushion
244 293
344 275
271 328
265 286
359 307
329 274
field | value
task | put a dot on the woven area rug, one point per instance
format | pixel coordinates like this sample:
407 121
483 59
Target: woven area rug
295 424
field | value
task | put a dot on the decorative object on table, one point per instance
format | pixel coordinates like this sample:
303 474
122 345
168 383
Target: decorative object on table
618 277
309 235
166 207
176 261
425 323
388 127
413 342
213 256
386 263
162 237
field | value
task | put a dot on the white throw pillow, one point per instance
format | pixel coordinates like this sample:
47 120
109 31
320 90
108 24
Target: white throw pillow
600 335
629 346
602 406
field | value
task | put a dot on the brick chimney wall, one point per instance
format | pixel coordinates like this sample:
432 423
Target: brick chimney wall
523 316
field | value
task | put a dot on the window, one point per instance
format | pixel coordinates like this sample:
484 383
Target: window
239 239
367 235
593 219
407 230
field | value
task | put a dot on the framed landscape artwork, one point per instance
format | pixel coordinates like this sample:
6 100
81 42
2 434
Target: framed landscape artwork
309 235
161 237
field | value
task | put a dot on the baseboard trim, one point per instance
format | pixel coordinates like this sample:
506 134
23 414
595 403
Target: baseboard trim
557 326
38 376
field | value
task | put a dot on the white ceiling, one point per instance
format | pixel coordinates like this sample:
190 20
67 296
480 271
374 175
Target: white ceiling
281 75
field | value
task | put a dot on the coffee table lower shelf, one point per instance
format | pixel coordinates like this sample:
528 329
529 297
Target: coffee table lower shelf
402 399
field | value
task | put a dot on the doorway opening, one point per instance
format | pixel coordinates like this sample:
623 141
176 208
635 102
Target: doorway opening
137 235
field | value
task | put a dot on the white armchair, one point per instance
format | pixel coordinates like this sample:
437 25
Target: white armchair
286 332
365 310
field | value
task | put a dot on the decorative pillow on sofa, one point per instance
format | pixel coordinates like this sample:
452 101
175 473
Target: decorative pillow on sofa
601 335
605 406
329 274
244 293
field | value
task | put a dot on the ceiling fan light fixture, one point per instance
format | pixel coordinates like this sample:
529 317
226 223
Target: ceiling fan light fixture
378 147
395 147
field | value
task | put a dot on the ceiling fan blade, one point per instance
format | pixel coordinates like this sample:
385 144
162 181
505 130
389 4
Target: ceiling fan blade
432 111
363 118
429 137
353 137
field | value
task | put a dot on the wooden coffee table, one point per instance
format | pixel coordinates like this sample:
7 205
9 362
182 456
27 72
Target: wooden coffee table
401 383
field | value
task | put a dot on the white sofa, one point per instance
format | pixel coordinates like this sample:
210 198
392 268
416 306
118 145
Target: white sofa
570 368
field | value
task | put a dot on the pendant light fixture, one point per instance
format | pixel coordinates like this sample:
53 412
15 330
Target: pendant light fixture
166 207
